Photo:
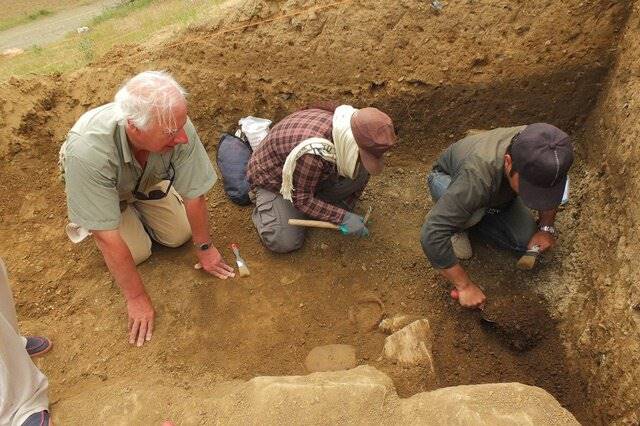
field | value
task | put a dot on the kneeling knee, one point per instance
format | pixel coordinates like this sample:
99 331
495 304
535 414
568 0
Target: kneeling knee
282 241
176 237
177 240
141 254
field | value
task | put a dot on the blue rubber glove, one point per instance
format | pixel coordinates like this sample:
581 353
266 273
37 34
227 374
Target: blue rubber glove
352 224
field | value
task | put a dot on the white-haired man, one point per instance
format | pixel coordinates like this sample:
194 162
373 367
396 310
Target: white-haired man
135 170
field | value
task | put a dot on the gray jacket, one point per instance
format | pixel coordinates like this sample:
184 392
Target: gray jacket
476 167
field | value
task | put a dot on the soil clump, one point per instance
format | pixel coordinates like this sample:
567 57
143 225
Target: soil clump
520 319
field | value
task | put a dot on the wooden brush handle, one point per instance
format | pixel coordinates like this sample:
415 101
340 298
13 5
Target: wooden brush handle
313 224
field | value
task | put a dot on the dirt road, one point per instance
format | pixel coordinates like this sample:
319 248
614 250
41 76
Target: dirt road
53 28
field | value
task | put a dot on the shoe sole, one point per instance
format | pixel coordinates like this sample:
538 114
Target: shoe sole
42 352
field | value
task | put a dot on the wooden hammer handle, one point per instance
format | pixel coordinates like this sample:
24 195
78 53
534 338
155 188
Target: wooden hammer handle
313 223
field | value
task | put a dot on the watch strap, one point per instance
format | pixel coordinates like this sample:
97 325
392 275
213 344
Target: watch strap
203 246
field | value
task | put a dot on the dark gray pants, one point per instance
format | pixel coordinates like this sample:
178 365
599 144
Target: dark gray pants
510 227
272 212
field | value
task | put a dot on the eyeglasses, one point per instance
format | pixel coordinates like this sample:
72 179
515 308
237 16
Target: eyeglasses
156 194
171 133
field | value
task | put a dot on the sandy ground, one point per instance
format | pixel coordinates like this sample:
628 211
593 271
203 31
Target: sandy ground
52 28
549 67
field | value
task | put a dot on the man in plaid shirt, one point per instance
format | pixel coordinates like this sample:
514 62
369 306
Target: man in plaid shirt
325 155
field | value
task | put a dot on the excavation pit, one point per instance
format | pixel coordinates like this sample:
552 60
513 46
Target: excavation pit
438 75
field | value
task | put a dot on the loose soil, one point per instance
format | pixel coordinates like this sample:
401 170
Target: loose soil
471 66
520 319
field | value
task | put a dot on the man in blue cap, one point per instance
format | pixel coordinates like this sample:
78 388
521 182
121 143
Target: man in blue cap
490 181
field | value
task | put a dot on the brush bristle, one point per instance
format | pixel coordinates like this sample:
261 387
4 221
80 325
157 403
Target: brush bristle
527 261
244 271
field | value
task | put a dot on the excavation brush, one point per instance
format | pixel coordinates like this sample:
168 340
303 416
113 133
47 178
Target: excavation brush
242 265
528 260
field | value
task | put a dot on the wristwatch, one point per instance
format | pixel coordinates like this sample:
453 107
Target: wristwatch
548 228
203 246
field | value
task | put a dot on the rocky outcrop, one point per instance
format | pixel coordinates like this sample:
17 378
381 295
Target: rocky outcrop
362 396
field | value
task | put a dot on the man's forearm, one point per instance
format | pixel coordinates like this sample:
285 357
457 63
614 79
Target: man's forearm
198 219
319 209
547 217
118 258
457 276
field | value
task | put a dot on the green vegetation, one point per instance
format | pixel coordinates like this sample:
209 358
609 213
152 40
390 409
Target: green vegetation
120 11
87 48
136 21
15 21
39 14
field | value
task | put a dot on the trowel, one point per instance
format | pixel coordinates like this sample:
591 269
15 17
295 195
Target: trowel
483 315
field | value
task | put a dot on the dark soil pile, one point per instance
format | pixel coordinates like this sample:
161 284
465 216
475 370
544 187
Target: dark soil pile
520 319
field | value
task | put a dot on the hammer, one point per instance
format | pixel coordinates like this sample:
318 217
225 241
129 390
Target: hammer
323 224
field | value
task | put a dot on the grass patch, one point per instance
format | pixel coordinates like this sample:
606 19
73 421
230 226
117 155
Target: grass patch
15 21
120 11
136 21
39 14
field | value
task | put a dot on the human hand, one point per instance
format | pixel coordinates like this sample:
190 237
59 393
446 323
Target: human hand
353 224
211 261
544 241
141 315
469 296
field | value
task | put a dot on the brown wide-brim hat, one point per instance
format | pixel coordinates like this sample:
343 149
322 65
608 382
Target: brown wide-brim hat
374 134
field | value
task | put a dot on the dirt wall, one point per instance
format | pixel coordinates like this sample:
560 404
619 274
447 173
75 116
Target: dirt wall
603 265
479 64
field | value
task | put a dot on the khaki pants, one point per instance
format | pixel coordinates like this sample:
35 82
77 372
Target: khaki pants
23 388
164 220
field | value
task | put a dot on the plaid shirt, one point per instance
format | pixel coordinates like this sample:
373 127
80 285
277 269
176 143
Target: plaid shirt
265 166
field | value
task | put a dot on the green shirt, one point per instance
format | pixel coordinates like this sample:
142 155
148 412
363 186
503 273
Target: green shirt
476 167
100 169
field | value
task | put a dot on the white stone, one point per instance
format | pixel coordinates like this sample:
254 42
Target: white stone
392 324
14 51
492 404
411 345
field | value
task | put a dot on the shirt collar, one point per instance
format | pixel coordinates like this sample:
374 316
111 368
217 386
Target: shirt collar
124 143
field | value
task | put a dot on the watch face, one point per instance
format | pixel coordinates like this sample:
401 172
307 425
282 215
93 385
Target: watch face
549 229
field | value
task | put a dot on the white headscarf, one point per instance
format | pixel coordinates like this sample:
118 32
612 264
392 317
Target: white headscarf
343 151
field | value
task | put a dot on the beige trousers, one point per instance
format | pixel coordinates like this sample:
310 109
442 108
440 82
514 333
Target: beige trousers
164 220
23 388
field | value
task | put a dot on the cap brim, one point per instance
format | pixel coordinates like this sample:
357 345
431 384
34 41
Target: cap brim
373 165
541 198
